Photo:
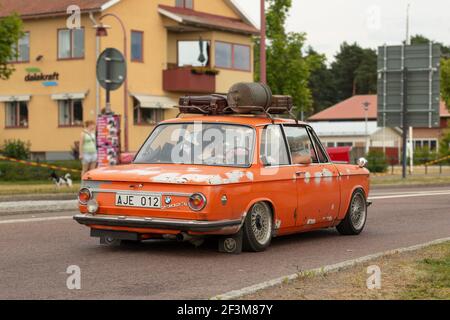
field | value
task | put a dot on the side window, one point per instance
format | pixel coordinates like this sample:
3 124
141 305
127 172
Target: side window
273 147
300 143
323 158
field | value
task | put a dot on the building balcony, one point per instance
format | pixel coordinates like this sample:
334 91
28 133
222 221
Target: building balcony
189 80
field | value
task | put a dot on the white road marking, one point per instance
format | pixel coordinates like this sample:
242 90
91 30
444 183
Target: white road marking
407 192
236 294
429 194
35 220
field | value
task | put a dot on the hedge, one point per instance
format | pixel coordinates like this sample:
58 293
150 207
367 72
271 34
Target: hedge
11 171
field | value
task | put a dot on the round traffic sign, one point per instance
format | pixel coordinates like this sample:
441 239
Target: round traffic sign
111 69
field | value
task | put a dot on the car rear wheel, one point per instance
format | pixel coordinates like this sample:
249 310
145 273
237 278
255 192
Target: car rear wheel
356 217
258 228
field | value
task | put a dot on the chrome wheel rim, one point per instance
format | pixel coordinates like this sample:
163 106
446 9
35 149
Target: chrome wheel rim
261 223
358 212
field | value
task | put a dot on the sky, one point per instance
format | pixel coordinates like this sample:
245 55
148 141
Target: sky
371 23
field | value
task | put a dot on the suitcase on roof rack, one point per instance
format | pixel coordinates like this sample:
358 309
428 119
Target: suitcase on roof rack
281 105
212 104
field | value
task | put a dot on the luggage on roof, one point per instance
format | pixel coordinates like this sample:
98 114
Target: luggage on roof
242 98
213 104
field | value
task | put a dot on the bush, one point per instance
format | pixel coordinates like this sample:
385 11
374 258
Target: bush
377 162
16 149
11 171
424 155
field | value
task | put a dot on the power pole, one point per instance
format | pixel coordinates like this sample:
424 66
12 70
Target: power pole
263 70
408 37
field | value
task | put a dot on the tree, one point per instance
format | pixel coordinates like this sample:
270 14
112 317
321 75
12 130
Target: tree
288 70
445 81
366 73
355 71
10 33
321 82
444 147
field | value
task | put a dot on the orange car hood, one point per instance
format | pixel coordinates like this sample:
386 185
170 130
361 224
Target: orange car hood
175 174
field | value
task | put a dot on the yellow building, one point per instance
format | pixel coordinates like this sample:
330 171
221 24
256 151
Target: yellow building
174 47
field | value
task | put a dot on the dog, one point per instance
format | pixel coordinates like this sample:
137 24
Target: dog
61 181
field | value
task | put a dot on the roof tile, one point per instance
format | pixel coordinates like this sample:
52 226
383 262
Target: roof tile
352 109
36 8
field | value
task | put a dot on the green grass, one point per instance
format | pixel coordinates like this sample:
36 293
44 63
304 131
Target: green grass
433 280
35 187
410 180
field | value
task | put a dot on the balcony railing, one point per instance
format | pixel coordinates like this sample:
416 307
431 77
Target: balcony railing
189 80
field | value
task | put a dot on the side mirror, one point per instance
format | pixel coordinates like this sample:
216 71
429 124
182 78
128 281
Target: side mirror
305 160
362 162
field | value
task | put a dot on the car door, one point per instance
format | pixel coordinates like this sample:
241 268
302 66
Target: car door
329 184
278 174
312 180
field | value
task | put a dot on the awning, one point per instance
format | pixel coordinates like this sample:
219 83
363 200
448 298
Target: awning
155 102
69 96
22 97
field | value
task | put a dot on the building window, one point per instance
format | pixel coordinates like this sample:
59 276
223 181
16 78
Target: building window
187 4
147 116
137 46
70 113
233 56
71 43
16 114
430 144
22 49
344 144
190 54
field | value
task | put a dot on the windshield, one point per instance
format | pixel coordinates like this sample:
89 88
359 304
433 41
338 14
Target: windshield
200 143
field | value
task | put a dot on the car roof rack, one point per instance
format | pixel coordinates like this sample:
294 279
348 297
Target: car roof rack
219 104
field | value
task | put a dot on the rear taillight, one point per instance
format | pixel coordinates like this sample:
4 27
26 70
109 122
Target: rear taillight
197 202
84 195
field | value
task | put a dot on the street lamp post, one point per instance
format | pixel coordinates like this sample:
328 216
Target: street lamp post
102 32
366 113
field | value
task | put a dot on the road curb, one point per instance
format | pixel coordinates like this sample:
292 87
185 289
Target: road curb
236 294
35 207
38 197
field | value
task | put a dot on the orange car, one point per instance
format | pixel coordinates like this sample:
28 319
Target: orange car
242 179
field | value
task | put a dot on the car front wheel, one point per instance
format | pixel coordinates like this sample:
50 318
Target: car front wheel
258 227
356 217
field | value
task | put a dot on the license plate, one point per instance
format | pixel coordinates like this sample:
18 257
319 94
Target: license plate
151 201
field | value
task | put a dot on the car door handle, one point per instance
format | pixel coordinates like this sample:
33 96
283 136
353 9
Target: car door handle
300 173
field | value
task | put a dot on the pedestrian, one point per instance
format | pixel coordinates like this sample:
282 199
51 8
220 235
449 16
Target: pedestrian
88 147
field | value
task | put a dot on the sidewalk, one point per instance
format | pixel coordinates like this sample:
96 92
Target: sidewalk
42 206
38 197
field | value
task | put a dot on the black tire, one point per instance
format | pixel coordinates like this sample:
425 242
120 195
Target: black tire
352 225
260 217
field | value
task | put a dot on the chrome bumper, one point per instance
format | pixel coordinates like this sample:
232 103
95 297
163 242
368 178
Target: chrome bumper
158 223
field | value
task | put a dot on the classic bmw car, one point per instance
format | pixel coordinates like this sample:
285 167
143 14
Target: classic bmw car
243 179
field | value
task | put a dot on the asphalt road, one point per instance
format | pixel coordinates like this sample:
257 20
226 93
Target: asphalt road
35 252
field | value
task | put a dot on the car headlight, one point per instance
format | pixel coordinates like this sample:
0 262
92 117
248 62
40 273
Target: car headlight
197 202
84 195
